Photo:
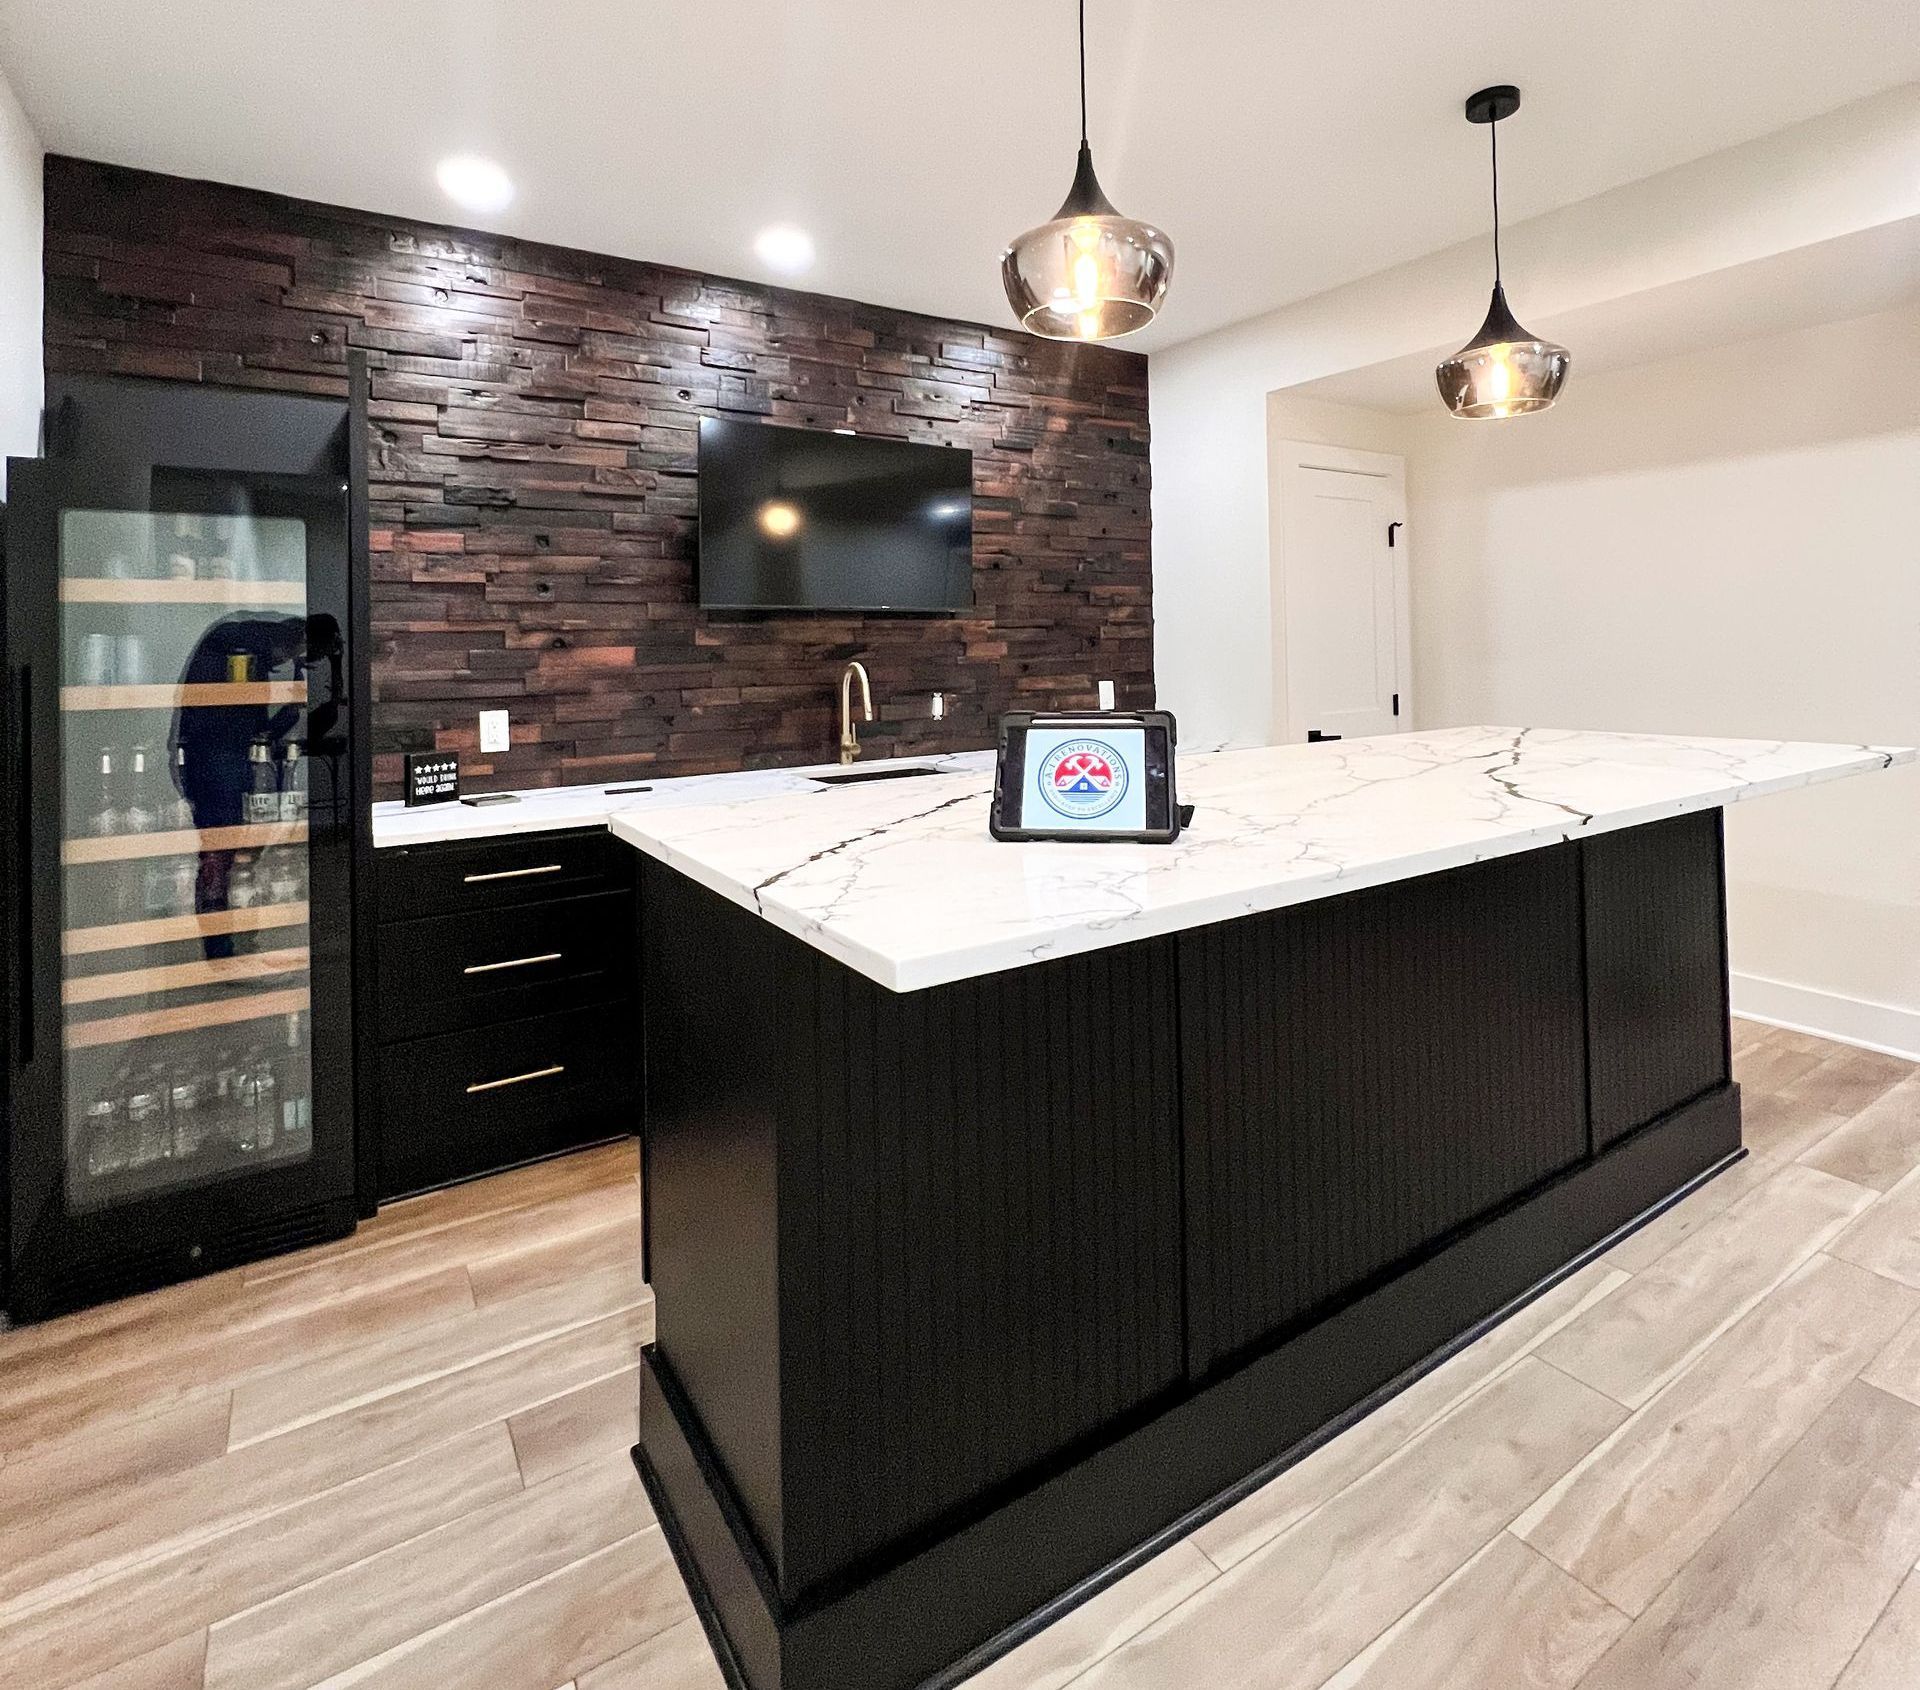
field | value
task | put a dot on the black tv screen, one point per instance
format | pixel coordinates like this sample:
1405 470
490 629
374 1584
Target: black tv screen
798 519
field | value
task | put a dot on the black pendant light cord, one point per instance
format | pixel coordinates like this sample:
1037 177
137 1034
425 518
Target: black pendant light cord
1084 198
1083 72
1493 134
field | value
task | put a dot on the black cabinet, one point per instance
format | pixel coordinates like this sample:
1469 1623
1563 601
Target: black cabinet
491 874
445 972
470 1102
506 1019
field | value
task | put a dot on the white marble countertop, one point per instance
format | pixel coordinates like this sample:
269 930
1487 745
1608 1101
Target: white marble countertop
900 879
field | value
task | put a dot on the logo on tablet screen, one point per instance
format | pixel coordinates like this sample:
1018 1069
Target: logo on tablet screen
1083 779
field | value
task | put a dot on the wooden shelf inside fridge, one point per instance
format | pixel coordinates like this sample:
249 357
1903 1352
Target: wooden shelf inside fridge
186 842
154 1023
175 929
184 976
100 589
188 696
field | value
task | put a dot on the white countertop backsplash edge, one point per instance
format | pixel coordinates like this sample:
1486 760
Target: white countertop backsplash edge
547 809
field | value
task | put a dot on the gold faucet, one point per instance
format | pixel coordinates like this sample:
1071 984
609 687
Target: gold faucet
849 739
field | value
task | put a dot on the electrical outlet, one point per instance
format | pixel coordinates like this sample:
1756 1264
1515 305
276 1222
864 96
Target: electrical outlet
494 732
1106 695
939 706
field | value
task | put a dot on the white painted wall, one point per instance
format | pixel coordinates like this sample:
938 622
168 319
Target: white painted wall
1853 169
1724 543
21 386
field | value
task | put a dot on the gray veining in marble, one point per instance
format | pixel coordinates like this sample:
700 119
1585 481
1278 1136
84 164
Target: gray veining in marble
902 881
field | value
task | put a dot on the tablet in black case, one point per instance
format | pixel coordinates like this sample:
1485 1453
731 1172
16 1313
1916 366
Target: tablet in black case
1092 776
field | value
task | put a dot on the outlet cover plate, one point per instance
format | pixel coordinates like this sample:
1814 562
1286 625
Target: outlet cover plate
495 735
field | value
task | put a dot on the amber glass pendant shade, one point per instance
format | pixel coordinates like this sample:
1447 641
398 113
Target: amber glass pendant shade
1087 273
1503 371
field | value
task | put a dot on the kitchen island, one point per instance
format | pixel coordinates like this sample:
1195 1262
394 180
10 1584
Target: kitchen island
1011 1208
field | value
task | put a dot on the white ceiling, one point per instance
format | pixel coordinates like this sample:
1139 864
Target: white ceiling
1286 145
1855 275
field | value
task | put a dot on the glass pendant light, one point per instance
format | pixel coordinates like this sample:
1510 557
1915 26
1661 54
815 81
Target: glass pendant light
1089 273
1503 371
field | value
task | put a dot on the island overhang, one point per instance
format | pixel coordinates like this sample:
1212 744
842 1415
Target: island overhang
900 880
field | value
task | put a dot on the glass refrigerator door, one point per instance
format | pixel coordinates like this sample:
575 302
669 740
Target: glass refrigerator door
185 648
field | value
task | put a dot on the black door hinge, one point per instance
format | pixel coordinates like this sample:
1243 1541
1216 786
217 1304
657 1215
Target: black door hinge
1391 526
1396 704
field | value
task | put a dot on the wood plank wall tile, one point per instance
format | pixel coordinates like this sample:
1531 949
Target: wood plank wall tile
533 421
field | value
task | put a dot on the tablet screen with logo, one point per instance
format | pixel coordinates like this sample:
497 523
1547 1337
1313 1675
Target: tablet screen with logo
1086 780
1105 776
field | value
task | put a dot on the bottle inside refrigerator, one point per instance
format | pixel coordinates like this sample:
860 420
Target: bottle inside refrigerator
178 806
142 814
104 818
263 783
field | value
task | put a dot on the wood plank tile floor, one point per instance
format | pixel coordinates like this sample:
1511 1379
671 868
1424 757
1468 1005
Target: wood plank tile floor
401 1460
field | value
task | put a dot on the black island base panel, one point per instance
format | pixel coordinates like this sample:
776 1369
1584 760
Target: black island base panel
970 1299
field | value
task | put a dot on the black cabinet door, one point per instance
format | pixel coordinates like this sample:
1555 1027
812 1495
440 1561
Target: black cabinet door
472 1102
491 874
446 972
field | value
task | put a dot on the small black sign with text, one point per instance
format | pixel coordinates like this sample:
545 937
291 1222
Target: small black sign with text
433 777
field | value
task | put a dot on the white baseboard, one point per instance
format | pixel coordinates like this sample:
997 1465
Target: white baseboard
1829 1015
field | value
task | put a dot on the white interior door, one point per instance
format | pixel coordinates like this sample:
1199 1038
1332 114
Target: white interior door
1343 594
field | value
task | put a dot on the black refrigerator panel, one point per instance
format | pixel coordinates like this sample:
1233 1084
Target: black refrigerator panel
180 849
189 425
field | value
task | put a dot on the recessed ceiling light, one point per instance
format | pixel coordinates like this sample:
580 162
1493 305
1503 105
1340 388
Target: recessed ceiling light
784 248
475 184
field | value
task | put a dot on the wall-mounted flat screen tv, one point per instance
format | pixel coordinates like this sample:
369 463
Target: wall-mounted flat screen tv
799 519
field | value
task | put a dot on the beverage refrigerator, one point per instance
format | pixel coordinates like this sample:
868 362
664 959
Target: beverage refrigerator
184 780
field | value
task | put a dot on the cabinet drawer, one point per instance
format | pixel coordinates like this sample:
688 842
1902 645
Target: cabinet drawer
492 873
446 972
469 1103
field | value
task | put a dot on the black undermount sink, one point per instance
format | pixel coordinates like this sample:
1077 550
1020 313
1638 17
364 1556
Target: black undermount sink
855 777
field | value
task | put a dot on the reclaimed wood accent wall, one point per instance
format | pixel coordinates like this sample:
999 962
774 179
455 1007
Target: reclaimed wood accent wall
533 459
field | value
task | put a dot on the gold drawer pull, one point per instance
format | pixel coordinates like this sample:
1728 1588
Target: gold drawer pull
512 962
517 1079
510 874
